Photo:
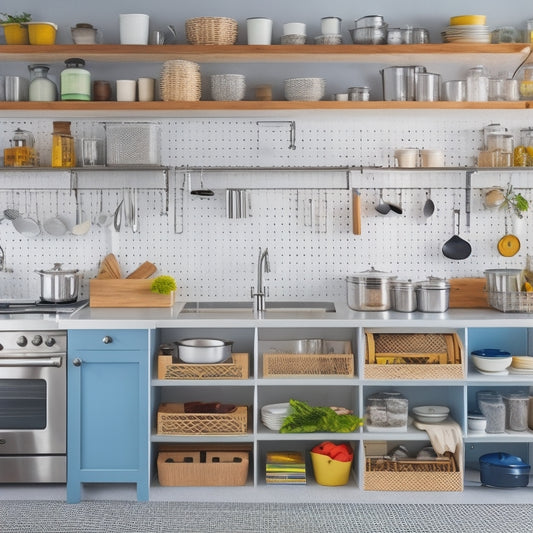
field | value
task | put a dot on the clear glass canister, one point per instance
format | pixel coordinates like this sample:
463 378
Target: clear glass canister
63 151
21 153
477 85
516 410
526 84
75 80
42 89
491 405
360 94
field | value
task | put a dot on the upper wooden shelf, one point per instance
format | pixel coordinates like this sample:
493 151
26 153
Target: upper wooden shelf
347 53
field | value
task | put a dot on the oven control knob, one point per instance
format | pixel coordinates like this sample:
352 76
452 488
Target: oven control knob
50 341
37 340
22 341
107 339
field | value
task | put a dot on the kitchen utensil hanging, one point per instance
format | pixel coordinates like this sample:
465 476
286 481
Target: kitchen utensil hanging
456 247
315 211
429 206
383 208
202 191
54 225
356 212
509 244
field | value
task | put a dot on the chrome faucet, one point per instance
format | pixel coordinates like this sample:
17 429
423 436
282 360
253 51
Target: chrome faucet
259 296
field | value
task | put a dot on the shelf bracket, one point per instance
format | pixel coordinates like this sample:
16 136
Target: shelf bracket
281 124
468 195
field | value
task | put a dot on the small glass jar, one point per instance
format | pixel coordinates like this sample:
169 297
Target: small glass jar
526 84
75 80
523 153
359 94
42 89
477 85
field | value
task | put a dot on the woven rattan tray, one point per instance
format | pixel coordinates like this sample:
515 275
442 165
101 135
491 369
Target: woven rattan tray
413 474
172 420
413 356
277 365
236 368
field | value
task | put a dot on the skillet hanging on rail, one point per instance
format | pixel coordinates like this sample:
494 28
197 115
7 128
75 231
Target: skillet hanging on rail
509 244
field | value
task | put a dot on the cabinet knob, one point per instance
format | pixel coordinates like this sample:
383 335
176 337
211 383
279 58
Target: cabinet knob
107 339
76 362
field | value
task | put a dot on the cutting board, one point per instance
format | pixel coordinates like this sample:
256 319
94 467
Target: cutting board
468 293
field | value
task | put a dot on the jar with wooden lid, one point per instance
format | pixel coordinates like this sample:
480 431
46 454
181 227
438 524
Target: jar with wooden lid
63 151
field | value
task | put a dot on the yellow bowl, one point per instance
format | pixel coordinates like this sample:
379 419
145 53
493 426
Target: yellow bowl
42 32
15 33
468 20
330 472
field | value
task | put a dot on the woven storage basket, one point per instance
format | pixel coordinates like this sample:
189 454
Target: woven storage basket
228 87
172 420
236 368
305 89
413 475
202 469
211 30
311 365
180 81
414 356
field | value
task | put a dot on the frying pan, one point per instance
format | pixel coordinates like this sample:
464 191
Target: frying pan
455 247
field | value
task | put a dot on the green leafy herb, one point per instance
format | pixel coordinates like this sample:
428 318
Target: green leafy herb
307 419
515 201
163 285
10 19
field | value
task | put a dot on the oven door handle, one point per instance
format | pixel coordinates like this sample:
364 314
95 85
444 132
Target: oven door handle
38 361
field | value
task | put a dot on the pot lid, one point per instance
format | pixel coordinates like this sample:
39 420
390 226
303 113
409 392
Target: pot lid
58 270
434 283
371 274
403 284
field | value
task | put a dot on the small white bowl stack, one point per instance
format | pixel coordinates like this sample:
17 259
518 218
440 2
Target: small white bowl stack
274 414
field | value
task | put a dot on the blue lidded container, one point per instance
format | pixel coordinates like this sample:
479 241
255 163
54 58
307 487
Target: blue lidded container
503 470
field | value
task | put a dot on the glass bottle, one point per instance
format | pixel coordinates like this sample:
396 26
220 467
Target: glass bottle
477 85
63 152
42 89
21 153
75 80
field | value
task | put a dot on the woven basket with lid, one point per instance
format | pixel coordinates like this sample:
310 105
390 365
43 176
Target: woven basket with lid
180 81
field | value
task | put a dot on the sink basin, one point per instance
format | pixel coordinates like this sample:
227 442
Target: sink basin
271 307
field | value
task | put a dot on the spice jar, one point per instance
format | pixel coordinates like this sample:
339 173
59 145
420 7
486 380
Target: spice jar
75 80
63 152
42 89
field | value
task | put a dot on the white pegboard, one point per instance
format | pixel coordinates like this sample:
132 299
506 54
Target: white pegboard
311 250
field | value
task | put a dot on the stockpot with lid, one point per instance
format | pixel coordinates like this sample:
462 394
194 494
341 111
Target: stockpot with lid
399 83
433 295
369 290
58 285
403 296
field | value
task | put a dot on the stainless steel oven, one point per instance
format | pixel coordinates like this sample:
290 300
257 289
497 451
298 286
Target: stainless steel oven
33 389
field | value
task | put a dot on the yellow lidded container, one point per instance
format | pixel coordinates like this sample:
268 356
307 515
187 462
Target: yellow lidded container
16 33
42 33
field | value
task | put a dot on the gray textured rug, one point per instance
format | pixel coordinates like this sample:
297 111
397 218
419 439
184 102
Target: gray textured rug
163 517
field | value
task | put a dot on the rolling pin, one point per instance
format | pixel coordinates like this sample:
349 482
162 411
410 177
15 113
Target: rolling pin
356 212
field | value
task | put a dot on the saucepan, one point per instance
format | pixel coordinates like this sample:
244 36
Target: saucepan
58 285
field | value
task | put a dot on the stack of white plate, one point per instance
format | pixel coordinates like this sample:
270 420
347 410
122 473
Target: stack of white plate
273 415
466 34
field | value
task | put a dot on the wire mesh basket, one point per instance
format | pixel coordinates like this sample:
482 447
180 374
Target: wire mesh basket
211 30
132 143
511 302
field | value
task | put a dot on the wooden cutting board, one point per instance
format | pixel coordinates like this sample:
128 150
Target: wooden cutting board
109 268
144 271
468 293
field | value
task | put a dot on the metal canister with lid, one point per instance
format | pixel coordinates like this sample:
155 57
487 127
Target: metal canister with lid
403 296
369 291
433 295
359 94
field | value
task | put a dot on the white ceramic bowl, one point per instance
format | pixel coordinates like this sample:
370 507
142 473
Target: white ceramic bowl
477 422
431 414
491 364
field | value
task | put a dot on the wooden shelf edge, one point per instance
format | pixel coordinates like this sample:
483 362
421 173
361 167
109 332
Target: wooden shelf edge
253 53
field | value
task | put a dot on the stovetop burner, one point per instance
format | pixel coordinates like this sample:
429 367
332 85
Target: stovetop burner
32 306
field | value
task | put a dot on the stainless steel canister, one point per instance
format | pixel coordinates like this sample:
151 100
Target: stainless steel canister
403 296
433 295
369 291
427 87
399 83
59 286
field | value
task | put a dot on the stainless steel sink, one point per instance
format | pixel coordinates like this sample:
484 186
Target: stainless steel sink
271 307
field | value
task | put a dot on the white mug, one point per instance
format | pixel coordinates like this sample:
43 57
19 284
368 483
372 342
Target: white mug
146 89
259 30
406 157
431 158
126 90
134 28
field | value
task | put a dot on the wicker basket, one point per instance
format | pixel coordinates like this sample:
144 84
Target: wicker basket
211 30
413 474
236 368
180 81
172 420
277 365
228 87
305 89
202 469
414 356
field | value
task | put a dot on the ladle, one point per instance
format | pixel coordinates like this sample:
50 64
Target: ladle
397 208
456 248
429 206
201 191
54 225
383 207
82 226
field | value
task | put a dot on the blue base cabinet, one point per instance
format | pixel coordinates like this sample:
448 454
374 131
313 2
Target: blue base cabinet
108 431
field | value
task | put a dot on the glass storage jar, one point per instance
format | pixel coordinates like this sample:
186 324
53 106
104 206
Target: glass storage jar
523 153
526 83
42 89
75 80
63 151
21 153
477 85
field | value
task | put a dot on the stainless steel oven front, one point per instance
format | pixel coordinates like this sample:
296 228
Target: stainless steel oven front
33 388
